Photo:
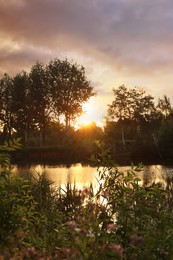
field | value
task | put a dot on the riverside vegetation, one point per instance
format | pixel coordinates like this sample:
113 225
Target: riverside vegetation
122 220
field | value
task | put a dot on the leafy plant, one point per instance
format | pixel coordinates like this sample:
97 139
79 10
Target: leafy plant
122 220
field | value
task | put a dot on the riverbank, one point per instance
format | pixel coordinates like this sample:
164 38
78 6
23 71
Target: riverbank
70 155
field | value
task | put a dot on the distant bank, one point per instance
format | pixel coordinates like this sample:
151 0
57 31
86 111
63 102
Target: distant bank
61 155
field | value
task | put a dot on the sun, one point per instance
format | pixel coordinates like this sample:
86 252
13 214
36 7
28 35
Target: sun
90 114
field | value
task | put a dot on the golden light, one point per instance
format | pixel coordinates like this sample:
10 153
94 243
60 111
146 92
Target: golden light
90 114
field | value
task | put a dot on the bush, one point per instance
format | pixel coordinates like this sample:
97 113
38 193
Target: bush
18 215
122 220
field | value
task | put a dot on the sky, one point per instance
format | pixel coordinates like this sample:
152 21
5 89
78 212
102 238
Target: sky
117 41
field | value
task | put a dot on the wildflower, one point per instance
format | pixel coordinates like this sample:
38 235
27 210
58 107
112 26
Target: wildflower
90 234
163 253
116 248
77 230
31 253
111 227
71 224
68 252
81 219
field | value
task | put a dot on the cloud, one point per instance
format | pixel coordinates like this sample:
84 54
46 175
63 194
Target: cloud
129 38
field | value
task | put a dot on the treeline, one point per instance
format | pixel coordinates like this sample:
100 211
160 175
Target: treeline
47 99
41 106
139 126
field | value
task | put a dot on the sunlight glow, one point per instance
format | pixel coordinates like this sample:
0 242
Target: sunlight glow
90 114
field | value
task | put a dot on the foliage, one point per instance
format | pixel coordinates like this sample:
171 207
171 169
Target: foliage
17 207
6 112
39 92
164 105
135 122
30 102
121 220
69 88
131 104
85 139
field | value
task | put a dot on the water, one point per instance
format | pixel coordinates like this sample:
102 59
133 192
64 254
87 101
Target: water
83 176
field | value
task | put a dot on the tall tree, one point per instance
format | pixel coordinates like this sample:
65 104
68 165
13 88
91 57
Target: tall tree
132 105
22 105
6 113
69 87
164 107
40 99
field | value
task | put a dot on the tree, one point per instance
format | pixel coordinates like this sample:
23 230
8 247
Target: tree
6 113
39 92
164 106
29 102
131 105
69 88
22 105
89 133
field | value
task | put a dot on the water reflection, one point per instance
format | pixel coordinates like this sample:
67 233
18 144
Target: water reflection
84 176
78 175
157 174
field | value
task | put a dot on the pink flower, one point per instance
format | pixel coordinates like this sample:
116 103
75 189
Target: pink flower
116 248
68 252
111 227
163 253
71 224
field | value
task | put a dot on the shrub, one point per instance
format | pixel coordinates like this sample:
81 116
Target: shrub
122 220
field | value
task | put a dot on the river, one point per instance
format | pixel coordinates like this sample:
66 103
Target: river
82 175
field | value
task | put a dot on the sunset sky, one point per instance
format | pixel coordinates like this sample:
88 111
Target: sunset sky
117 41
